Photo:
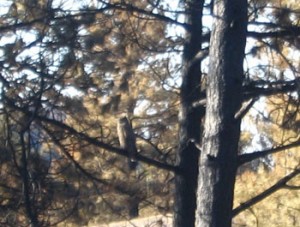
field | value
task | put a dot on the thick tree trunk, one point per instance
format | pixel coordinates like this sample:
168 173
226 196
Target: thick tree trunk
218 161
190 120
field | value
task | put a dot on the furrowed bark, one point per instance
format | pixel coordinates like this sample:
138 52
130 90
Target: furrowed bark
218 161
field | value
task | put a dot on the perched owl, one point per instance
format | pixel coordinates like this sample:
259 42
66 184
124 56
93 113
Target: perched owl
127 141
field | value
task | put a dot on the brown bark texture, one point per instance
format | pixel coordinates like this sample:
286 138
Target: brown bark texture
218 159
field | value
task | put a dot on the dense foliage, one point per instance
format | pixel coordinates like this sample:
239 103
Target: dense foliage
70 69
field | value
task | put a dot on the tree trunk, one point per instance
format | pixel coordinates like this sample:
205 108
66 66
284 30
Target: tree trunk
190 120
218 161
29 207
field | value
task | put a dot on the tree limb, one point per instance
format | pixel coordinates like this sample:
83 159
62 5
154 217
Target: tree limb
265 88
132 8
245 109
287 32
292 187
255 89
244 158
114 186
279 185
106 146
91 140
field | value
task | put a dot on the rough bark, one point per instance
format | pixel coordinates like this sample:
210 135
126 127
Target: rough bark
218 161
190 118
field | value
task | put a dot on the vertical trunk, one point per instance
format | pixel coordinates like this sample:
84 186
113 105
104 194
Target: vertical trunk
190 118
30 211
217 167
133 207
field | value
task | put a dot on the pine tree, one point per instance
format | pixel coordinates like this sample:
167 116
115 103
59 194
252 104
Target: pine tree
70 69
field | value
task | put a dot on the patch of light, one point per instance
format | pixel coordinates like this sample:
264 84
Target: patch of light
71 91
141 106
74 5
4 6
8 39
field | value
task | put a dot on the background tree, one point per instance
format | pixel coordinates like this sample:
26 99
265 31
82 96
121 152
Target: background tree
74 51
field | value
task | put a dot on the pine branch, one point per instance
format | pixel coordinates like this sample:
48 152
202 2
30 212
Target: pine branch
279 185
244 158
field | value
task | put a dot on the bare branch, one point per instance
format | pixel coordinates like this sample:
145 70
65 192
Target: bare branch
245 108
255 89
292 187
244 158
287 32
279 185
265 88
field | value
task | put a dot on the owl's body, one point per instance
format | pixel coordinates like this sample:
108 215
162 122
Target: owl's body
127 141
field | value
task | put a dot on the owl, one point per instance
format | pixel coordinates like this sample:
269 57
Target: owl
127 141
